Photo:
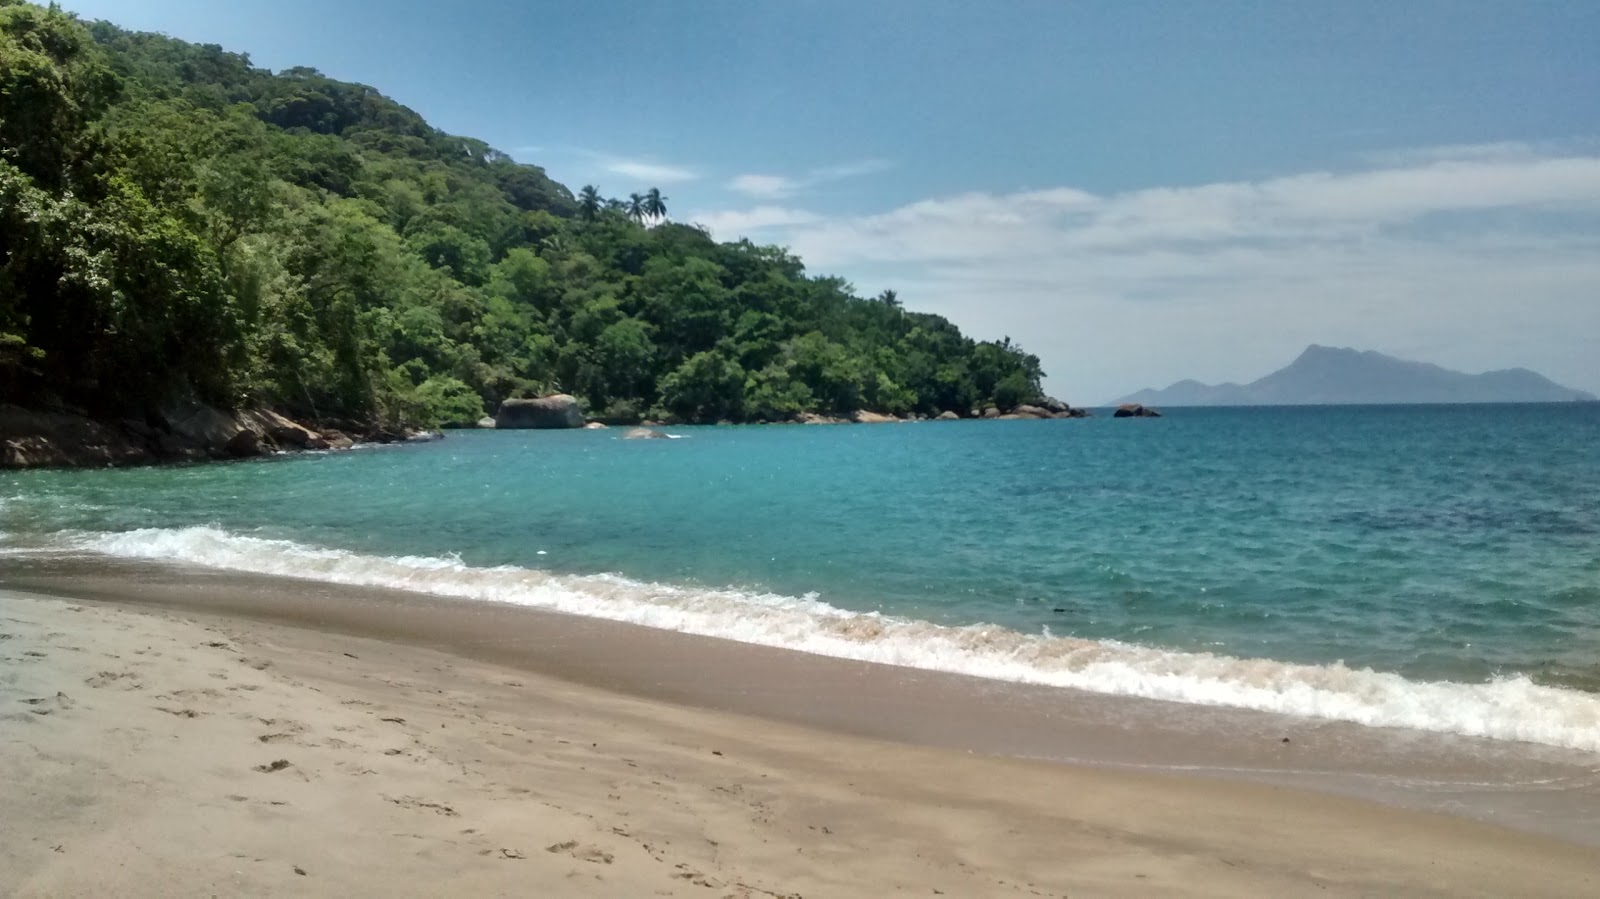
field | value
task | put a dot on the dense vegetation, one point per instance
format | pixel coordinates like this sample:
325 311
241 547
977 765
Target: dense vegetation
176 222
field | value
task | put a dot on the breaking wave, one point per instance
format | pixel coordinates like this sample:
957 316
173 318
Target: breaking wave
1509 708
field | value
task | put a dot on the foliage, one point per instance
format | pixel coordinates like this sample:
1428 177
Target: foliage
176 221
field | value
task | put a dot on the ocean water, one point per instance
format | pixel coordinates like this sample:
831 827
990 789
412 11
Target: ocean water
1423 567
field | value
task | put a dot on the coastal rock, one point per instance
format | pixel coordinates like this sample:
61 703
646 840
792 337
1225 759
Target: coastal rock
643 434
863 417
812 418
1031 412
200 425
1051 404
34 439
547 412
486 422
991 412
337 440
596 426
279 430
948 416
244 444
1135 410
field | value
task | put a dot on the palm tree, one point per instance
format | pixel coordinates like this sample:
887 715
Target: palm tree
589 201
655 205
889 298
636 207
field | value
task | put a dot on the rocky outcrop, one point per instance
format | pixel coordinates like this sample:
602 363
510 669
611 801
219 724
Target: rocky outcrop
863 417
948 416
543 413
182 431
1135 410
486 422
991 412
596 426
32 439
812 418
643 434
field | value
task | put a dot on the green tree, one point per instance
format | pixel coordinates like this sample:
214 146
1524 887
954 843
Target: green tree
654 206
589 201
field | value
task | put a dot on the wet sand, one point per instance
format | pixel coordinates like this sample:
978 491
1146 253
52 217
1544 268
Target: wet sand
541 753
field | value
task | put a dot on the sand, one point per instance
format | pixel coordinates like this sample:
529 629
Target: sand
160 752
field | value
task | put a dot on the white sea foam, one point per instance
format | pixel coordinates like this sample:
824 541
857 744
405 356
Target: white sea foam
1512 708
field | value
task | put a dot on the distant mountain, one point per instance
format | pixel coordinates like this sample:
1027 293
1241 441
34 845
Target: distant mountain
1335 376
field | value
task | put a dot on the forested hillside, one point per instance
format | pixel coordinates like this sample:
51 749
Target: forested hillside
174 221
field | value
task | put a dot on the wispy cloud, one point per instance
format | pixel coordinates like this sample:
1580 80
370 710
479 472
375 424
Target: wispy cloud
735 223
1471 259
764 186
774 187
851 169
653 172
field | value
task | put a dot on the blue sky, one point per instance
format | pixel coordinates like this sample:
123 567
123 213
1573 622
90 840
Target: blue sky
1138 192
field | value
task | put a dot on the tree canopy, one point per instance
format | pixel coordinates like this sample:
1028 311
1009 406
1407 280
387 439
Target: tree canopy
176 221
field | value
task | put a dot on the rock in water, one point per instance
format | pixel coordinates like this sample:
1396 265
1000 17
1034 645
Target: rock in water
643 434
595 426
948 416
559 411
1134 410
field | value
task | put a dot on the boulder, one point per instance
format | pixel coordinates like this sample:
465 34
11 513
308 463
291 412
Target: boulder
486 422
1052 404
947 415
991 412
200 425
546 412
277 429
863 417
244 444
1134 410
595 426
1031 412
336 440
643 434
812 418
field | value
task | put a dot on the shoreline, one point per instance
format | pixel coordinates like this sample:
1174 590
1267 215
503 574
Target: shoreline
168 750
1531 787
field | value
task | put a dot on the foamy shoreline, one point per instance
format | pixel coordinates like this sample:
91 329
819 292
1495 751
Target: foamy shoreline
156 752
1541 789
1510 709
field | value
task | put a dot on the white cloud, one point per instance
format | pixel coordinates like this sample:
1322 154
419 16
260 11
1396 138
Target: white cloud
1474 260
851 169
733 224
653 172
764 186
776 187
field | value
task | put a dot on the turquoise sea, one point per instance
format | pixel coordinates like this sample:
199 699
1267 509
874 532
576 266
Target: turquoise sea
1426 567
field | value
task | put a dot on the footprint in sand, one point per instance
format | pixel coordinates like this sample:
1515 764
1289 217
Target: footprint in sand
48 705
415 803
123 680
581 852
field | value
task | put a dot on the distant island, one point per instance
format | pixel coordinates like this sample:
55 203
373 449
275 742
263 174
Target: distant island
1342 376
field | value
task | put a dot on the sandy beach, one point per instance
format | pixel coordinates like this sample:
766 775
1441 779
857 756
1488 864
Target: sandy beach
170 752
